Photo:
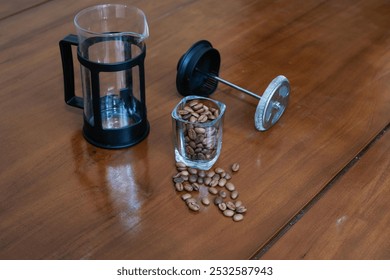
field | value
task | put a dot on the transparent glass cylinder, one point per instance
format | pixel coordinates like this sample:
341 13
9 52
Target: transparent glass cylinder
112 34
197 142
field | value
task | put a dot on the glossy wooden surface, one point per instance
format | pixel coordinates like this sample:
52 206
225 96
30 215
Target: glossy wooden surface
354 215
61 198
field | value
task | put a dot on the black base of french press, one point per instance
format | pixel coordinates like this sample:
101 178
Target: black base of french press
199 59
116 138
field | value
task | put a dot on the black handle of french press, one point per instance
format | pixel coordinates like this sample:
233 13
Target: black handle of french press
68 71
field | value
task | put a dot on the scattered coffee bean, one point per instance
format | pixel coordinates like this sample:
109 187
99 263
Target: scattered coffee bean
230 205
219 170
195 187
194 206
181 165
222 182
214 183
235 167
190 200
178 180
206 201
186 196
191 179
228 176
218 200
222 194
213 190
230 187
188 187
238 217
207 181
229 213
241 209
179 187
234 194
222 206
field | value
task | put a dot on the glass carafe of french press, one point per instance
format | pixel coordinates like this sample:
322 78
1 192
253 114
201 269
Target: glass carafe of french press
111 51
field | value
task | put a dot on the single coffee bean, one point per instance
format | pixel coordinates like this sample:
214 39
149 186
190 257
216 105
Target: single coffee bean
201 173
190 200
230 186
193 102
210 173
222 182
234 194
193 178
213 190
188 187
181 165
178 180
214 183
222 194
216 177
184 173
186 196
195 114
222 206
238 203
179 187
206 201
185 178
188 109
195 186
230 205
196 106
194 206
238 217
218 200
228 213
193 171
183 112
201 156
203 118
193 119
219 170
190 151
228 176
235 167
241 209
207 181
200 130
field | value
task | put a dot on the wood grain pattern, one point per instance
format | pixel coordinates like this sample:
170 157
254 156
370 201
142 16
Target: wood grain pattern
352 220
10 8
61 198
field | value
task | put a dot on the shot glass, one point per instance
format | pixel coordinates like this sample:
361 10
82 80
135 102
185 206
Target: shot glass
197 131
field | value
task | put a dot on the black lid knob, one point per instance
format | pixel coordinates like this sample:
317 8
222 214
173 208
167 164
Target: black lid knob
196 68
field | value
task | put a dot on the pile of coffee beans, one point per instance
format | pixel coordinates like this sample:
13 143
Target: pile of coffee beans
217 181
200 140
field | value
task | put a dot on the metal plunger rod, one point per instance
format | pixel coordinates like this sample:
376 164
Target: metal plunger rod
275 104
234 86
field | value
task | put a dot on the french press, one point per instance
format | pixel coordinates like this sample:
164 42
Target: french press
111 51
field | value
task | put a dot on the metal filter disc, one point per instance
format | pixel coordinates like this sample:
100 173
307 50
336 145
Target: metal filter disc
273 103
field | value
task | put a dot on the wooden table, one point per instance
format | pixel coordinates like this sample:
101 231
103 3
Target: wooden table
316 185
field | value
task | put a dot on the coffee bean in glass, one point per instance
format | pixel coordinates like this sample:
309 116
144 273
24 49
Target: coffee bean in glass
197 130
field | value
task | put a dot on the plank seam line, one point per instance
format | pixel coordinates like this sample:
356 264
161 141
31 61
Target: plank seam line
24 10
318 196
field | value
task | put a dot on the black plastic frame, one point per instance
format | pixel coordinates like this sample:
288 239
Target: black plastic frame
95 134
